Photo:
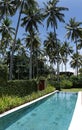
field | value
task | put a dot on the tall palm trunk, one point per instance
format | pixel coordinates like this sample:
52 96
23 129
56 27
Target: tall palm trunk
13 46
58 87
77 59
65 67
62 67
66 63
37 65
30 64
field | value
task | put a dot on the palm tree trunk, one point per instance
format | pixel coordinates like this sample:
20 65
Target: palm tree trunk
62 66
65 67
36 64
58 87
13 47
77 58
30 64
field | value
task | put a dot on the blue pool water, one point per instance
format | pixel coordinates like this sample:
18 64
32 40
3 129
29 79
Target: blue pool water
52 113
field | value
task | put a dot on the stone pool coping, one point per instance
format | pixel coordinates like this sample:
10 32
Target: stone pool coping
76 122
26 104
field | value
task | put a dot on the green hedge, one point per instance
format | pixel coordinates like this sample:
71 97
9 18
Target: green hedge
3 74
19 87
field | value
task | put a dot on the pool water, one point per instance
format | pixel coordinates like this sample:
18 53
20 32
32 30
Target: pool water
53 113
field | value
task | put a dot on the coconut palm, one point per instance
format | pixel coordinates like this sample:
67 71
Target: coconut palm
31 20
20 5
50 47
32 43
53 14
65 51
73 62
6 31
74 31
7 8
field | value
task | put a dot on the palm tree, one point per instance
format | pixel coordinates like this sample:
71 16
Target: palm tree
5 29
74 60
22 4
18 4
50 47
66 50
74 32
32 43
6 33
31 20
53 14
7 8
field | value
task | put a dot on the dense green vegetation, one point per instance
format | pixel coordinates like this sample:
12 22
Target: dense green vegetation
26 56
12 99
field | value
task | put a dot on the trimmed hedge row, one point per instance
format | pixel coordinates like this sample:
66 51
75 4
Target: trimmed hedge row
19 87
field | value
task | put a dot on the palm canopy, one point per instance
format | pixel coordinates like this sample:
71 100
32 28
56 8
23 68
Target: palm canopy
32 18
7 7
5 29
79 44
50 44
73 29
34 38
32 4
50 47
66 49
53 13
74 60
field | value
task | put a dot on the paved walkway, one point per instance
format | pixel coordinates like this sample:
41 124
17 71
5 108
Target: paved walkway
76 122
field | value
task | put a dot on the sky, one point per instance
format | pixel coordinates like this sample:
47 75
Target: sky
75 10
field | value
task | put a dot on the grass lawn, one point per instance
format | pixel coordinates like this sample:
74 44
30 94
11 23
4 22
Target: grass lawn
72 90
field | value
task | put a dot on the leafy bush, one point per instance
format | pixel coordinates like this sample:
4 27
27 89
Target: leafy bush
19 87
66 83
3 74
77 81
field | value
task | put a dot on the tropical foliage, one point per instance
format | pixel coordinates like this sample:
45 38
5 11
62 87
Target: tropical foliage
27 57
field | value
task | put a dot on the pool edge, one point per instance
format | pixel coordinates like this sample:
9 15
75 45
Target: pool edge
26 104
76 122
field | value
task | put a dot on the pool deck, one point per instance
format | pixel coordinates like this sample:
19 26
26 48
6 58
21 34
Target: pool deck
76 122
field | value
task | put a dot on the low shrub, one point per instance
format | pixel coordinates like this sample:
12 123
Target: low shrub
77 81
66 84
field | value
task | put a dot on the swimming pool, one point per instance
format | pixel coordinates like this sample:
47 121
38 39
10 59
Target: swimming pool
52 113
